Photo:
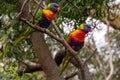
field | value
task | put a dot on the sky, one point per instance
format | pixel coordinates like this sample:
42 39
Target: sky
99 32
99 35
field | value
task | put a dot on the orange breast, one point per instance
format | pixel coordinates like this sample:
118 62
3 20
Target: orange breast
49 14
78 35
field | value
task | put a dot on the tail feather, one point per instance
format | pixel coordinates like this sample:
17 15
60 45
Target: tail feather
65 62
23 35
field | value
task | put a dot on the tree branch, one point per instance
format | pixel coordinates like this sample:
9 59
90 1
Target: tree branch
98 58
41 29
110 54
38 3
90 56
71 75
23 5
102 68
29 69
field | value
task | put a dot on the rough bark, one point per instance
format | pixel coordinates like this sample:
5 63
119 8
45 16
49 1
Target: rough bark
45 60
115 24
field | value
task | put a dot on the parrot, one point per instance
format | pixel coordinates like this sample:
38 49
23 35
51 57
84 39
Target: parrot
76 40
48 15
43 19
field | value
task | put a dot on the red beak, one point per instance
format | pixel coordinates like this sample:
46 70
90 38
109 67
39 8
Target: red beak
58 9
90 30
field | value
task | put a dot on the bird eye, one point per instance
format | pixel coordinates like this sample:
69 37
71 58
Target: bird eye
55 5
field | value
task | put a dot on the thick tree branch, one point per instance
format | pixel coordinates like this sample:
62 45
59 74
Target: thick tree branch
29 69
51 70
41 29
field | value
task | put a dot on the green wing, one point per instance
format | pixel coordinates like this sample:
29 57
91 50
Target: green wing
29 29
38 16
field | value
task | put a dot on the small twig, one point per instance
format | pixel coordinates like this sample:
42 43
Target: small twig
111 63
71 75
36 10
57 30
90 56
99 60
114 36
38 3
110 55
21 10
102 67
73 5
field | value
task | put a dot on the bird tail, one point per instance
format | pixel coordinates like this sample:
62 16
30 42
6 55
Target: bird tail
65 62
24 35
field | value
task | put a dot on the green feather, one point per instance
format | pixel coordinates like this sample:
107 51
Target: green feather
81 27
29 29
65 62
24 35
48 7
38 15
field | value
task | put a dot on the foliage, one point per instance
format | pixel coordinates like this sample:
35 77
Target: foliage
8 6
72 13
79 10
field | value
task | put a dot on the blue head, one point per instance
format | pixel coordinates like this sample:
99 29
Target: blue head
54 7
85 27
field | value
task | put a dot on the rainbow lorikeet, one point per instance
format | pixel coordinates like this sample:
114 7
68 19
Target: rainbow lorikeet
43 18
76 41
48 14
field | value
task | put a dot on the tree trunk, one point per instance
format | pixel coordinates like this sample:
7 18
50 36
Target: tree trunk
44 57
